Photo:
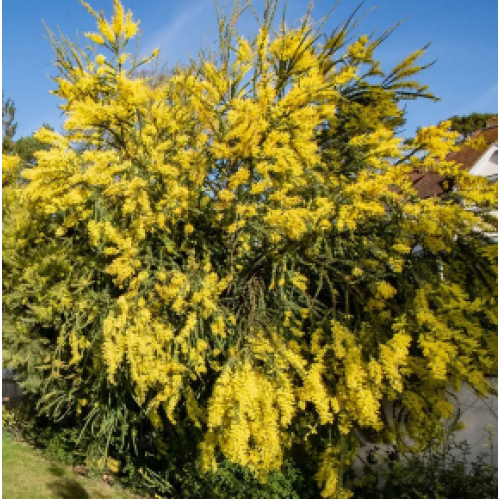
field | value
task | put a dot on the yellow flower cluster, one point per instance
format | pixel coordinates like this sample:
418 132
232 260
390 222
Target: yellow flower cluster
329 472
245 413
9 164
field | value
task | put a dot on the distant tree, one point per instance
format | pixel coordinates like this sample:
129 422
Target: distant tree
26 147
466 125
9 126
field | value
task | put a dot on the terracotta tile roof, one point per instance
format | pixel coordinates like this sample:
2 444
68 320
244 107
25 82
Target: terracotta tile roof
432 184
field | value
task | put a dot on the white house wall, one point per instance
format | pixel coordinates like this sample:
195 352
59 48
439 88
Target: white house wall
480 417
487 165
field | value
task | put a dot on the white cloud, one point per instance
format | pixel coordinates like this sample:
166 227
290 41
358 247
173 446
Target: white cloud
178 31
485 102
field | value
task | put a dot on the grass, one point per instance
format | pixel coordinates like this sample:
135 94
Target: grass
26 473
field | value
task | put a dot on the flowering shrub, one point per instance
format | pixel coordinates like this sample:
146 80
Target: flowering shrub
230 252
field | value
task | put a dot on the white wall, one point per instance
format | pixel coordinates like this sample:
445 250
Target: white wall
478 415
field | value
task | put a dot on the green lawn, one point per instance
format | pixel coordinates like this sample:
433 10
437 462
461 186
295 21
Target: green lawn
26 473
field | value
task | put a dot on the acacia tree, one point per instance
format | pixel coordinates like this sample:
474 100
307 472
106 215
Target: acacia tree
229 253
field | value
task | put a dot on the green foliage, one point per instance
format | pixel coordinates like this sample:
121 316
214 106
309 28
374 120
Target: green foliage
170 472
442 471
234 481
466 125
9 418
60 444
26 147
9 126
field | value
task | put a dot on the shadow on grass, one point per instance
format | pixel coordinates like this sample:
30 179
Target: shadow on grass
68 488
65 487
56 470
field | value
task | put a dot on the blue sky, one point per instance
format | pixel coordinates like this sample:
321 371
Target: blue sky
463 36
